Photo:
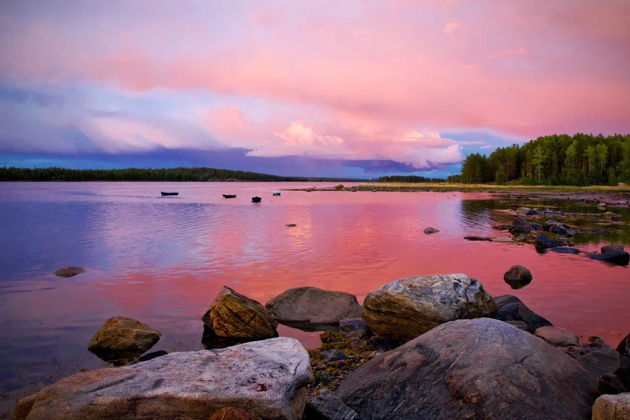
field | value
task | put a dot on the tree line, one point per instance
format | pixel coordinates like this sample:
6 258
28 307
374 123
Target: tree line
408 179
582 159
134 174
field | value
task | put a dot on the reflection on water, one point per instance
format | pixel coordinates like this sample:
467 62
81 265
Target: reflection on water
163 259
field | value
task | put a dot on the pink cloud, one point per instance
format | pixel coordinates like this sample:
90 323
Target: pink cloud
364 81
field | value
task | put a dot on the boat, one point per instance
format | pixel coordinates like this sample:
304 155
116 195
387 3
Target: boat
276 192
229 195
169 193
256 199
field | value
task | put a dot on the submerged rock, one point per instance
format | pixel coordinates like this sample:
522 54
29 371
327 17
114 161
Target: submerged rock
480 368
266 378
565 250
557 336
612 407
121 340
612 255
430 230
68 271
411 306
542 243
517 277
233 315
313 305
520 226
512 308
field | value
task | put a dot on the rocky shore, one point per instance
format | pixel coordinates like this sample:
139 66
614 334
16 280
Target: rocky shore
423 347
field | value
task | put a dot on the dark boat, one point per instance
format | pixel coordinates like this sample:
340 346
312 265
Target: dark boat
256 199
170 193
229 195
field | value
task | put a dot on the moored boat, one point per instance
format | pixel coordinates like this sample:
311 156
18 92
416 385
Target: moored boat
229 195
276 192
256 199
170 193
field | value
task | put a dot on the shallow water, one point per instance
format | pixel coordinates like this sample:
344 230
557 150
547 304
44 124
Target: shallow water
163 259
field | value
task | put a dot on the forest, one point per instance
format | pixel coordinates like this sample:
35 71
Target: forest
582 159
134 174
408 179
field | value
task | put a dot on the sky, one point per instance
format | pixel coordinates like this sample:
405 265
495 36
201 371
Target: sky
351 88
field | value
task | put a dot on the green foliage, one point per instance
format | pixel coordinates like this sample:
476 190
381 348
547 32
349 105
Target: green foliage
581 159
134 174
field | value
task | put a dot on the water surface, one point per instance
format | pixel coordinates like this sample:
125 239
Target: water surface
162 260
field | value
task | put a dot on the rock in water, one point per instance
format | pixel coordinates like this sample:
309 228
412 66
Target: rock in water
612 407
234 315
470 369
121 340
612 254
411 306
265 378
430 230
543 243
314 306
612 248
517 277
68 271
557 336
512 309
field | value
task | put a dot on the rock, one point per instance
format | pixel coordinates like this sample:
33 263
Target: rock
624 346
557 336
521 325
121 340
68 271
234 315
231 413
612 407
526 211
430 230
267 378
612 248
470 369
543 242
553 226
565 250
478 238
411 306
517 277
600 232
210 340
512 309
610 383
328 407
520 226
354 327
600 361
332 355
612 257
314 306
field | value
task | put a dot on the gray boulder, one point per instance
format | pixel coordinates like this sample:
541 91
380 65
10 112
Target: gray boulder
311 305
512 308
517 277
557 336
266 378
121 340
465 369
411 306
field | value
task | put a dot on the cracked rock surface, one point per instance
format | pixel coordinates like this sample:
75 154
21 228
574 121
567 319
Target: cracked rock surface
479 368
267 378
410 306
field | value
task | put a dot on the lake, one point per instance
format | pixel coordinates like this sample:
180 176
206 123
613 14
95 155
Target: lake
162 260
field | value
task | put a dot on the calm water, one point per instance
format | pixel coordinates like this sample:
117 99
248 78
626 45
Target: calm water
163 259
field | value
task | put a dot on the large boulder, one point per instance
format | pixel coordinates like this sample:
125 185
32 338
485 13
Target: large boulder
236 316
513 309
612 407
521 227
411 306
612 254
121 340
310 305
624 371
266 378
479 368
517 277
553 226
